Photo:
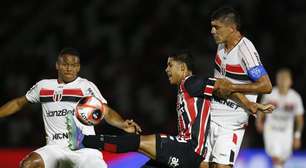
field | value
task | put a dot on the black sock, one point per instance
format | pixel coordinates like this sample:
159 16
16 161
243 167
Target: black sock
113 143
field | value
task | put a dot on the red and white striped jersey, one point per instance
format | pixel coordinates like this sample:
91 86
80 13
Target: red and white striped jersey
58 99
234 66
287 108
193 105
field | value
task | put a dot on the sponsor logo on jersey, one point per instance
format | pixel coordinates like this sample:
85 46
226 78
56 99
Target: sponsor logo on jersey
58 113
228 103
57 95
59 136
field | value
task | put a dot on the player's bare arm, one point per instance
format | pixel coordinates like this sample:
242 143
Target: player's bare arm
13 106
114 119
299 124
251 106
261 86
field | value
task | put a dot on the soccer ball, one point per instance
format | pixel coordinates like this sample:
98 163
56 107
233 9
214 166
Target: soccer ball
89 110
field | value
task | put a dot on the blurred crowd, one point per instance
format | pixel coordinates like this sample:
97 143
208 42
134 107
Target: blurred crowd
123 46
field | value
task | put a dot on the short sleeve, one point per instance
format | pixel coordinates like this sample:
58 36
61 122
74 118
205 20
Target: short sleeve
32 95
198 87
92 90
250 57
248 53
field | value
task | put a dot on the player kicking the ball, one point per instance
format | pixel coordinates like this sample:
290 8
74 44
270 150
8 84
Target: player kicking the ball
186 149
58 98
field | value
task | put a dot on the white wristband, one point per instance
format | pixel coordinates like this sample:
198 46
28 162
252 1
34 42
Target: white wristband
297 134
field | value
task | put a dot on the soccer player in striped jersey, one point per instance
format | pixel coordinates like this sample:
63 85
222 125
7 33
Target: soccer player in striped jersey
187 149
282 130
58 97
238 65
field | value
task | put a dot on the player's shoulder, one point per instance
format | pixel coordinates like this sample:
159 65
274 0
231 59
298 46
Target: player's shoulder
81 80
44 82
191 79
84 82
245 42
294 93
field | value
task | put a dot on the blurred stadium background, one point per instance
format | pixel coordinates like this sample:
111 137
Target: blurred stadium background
124 45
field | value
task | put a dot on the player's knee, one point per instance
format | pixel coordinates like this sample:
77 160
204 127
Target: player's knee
32 161
277 160
148 141
148 145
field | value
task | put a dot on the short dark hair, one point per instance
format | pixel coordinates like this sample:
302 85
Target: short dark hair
70 51
185 57
227 14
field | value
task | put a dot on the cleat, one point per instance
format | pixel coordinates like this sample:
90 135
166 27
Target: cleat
75 135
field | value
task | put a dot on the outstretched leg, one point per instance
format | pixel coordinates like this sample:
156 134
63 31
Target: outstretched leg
148 145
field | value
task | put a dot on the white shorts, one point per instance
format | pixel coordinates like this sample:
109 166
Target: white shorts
55 156
278 143
223 144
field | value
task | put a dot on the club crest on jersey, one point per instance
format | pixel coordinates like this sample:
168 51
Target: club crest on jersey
57 95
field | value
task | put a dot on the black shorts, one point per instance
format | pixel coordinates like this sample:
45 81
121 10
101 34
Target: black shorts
176 153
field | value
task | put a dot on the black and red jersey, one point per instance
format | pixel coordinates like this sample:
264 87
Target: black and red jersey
193 104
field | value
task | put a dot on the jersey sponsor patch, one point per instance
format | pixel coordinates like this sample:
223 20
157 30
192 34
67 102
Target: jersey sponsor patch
58 113
228 103
59 136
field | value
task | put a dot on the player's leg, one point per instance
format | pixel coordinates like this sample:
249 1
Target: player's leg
226 147
87 157
33 160
277 162
111 143
50 156
148 145
175 152
210 141
278 145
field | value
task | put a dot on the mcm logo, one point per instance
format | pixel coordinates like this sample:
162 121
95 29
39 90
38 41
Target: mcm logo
173 162
57 95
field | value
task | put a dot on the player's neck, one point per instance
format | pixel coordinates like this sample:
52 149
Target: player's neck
184 76
232 41
61 81
283 91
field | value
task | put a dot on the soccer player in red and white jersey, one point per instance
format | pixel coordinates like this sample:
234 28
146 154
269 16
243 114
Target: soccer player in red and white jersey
187 149
58 97
283 128
237 63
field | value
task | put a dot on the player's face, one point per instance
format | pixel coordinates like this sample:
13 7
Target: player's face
221 31
174 71
283 80
68 67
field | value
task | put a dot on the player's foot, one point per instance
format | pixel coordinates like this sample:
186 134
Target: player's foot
75 135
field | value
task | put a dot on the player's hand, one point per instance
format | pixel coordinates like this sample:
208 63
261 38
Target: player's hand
131 127
222 88
265 108
297 143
